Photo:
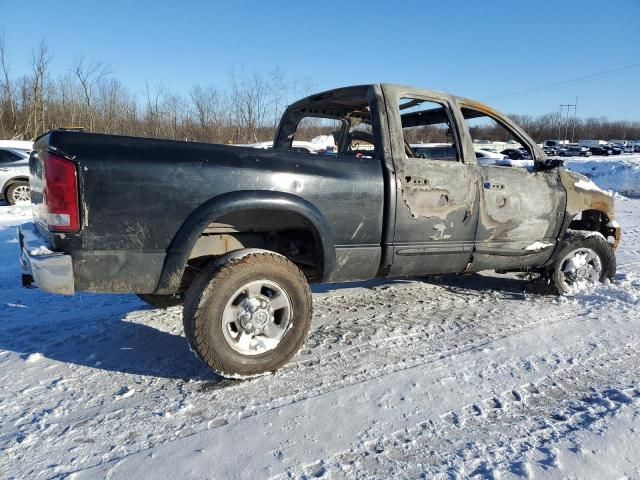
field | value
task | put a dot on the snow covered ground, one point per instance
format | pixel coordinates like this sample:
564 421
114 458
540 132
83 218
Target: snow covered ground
447 377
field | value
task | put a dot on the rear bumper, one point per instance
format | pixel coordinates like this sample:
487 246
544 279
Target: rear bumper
50 271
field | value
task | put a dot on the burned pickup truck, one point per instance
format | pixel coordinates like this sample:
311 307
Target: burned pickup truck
237 234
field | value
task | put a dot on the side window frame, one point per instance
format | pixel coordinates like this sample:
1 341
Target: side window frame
343 127
457 143
513 129
392 102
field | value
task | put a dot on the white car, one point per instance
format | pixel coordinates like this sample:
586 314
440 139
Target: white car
577 152
488 157
297 146
14 175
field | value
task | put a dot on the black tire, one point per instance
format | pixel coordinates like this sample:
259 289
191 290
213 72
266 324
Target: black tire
10 194
160 301
217 284
583 239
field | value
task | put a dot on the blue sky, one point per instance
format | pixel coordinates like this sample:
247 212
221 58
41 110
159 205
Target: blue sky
480 49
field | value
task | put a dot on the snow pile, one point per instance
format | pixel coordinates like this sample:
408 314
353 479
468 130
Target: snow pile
620 174
39 251
624 290
34 357
324 141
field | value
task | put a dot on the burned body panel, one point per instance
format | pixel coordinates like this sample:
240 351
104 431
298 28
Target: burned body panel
518 208
436 219
436 207
584 196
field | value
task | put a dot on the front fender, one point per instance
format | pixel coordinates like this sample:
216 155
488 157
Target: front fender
583 194
188 234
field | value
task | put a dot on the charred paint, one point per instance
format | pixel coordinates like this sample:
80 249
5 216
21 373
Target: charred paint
580 199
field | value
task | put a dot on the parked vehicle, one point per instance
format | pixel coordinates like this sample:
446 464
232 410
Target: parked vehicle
435 152
576 151
488 157
616 149
555 143
516 154
550 151
599 151
237 234
17 144
591 143
14 175
303 147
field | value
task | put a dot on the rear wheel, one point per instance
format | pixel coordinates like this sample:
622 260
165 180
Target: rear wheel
585 259
18 192
248 314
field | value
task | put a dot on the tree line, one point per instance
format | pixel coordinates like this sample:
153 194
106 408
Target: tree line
247 109
89 96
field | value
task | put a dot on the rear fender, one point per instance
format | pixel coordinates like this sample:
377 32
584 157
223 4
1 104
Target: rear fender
217 207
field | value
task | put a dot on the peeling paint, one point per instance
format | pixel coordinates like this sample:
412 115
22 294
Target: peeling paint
537 246
440 228
437 196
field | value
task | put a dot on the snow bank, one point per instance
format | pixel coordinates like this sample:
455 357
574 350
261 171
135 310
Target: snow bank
620 174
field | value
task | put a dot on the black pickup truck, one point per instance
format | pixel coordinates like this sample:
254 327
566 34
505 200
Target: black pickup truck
236 234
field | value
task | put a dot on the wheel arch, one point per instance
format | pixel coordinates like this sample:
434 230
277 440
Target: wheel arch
11 181
237 202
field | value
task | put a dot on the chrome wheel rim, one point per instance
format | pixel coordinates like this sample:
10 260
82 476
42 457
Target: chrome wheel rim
256 317
580 269
21 194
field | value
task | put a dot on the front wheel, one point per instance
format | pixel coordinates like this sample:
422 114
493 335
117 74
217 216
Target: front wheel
248 314
585 259
18 192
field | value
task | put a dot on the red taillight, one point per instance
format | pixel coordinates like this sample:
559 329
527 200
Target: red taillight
61 194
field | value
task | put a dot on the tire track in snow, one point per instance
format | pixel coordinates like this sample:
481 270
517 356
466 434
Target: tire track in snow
505 433
454 326
296 417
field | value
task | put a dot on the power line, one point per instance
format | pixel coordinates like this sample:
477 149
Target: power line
590 77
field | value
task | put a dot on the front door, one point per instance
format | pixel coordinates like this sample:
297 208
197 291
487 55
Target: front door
521 209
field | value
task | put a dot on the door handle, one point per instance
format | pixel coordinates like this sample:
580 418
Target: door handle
493 186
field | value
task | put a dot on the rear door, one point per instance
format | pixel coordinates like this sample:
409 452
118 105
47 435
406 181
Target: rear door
436 215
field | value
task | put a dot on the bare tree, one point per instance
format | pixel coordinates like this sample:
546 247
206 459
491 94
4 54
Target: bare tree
36 122
278 87
89 75
246 109
154 112
8 101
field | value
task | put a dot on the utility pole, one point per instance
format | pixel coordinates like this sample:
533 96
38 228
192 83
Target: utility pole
566 122
575 111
